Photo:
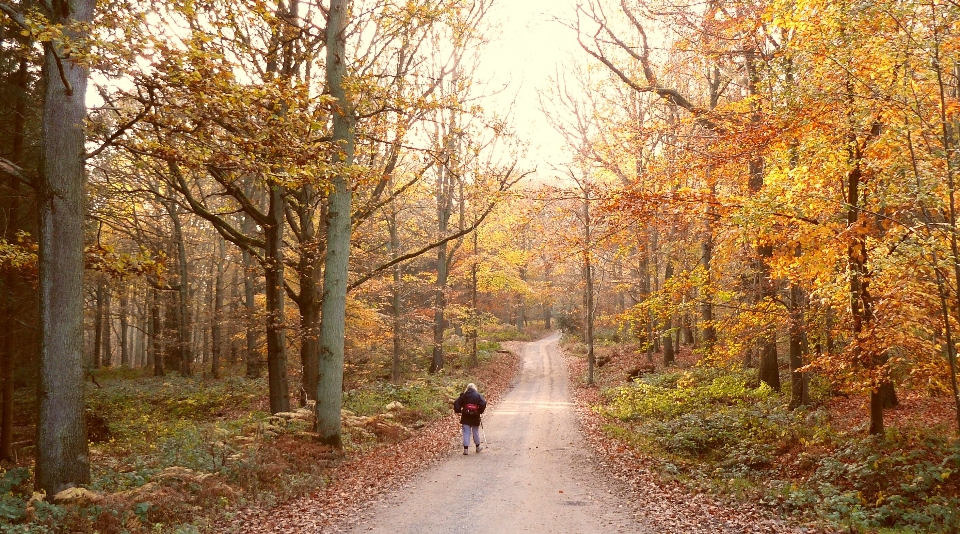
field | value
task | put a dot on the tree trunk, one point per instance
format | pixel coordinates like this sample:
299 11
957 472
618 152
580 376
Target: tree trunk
950 129
668 354
653 285
706 261
644 267
234 313
202 332
798 382
124 324
8 364
687 330
588 283
861 302
98 325
62 454
309 299
439 307
521 304
139 337
337 258
276 327
395 311
766 289
156 334
171 327
474 309
184 353
216 328
150 340
254 365
706 298
444 195
107 327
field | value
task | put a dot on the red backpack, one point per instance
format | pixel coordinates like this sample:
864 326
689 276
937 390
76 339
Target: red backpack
471 409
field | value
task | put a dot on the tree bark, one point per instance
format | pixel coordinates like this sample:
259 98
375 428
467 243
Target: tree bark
668 353
153 331
98 325
124 324
444 208
706 298
861 301
653 285
439 307
643 251
337 257
766 289
62 454
7 366
686 330
588 283
254 365
201 331
107 327
184 352
310 296
474 310
395 311
234 313
216 327
949 130
798 382
276 327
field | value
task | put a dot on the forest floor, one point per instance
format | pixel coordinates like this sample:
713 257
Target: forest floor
368 475
677 449
734 452
189 455
669 506
548 467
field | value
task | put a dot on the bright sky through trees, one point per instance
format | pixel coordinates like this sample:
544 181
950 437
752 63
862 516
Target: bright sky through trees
530 46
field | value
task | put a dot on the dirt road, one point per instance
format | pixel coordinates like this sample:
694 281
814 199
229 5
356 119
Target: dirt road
534 476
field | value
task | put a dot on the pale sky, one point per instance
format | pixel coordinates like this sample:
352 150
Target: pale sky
527 53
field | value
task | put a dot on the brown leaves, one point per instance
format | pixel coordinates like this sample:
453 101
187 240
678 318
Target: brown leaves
361 477
663 506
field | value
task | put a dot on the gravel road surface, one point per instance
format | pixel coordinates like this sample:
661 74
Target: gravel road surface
535 475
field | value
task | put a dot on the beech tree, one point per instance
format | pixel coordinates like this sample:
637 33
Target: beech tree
62 457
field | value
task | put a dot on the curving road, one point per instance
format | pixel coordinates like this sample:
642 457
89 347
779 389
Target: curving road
536 474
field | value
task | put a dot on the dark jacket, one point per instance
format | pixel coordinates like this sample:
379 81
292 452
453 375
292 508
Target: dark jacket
470 396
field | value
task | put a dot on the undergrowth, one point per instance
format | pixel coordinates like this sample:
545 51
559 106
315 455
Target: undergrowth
712 428
177 454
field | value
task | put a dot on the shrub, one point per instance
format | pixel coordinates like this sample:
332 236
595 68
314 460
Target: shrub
712 423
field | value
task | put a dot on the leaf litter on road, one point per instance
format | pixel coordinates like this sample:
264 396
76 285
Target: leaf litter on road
363 478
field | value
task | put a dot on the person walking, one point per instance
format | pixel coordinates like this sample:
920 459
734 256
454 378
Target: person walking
470 404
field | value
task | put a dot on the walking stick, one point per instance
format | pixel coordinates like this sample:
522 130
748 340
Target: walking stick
483 435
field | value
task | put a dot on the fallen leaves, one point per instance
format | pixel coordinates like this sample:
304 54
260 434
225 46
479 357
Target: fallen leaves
360 479
663 506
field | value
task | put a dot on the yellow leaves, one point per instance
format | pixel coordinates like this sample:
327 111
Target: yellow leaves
19 256
106 259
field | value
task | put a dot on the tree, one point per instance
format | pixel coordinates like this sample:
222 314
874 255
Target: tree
62 456
337 259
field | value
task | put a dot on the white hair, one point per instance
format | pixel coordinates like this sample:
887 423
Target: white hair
470 386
